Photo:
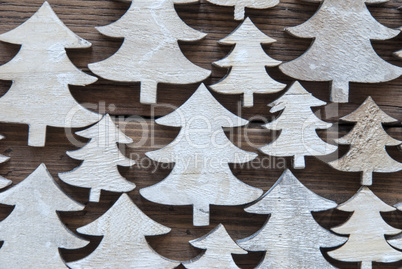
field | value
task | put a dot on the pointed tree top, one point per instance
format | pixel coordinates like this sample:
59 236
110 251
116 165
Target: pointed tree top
107 129
295 90
365 197
370 110
247 32
217 238
44 28
289 188
202 104
40 187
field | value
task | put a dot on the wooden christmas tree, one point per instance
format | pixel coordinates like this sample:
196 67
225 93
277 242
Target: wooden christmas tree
247 61
240 5
41 72
367 142
298 124
124 228
342 52
367 231
397 241
219 248
291 237
3 181
100 157
33 232
150 52
201 153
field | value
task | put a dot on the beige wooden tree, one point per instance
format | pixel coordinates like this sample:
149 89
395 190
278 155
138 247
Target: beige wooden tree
247 62
368 141
240 5
41 73
150 53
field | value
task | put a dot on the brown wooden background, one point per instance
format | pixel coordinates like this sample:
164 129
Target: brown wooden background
122 99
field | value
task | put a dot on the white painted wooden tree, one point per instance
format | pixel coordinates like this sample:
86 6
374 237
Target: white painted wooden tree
201 153
33 232
3 181
366 230
397 240
341 51
367 141
298 124
124 228
247 61
41 73
240 5
219 248
100 157
150 53
291 237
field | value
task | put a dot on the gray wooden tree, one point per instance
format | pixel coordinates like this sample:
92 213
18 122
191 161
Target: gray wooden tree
342 51
41 72
33 232
150 53
4 182
247 62
201 152
298 125
240 5
291 237
101 157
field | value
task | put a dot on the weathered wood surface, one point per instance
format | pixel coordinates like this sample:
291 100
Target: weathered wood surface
123 99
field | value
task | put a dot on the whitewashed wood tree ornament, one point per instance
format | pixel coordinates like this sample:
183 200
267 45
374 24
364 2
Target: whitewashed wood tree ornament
3 181
291 237
219 248
368 141
33 232
240 5
150 53
342 51
100 157
41 73
124 227
201 175
298 125
247 62
366 229
397 240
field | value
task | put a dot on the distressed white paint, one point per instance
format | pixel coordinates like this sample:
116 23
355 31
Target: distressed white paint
291 237
367 142
342 51
201 153
100 157
33 232
240 5
247 62
41 73
3 181
298 125
366 229
219 248
123 246
150 53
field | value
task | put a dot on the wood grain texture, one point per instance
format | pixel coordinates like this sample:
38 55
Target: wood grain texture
121 99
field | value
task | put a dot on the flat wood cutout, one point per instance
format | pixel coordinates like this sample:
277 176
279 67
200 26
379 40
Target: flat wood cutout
201 152
219 248
298 125
124 227
101 158
240 5
291 237
247 62
368 141
33 232
397 240
150 53
4 182
366 229
41 73
342 51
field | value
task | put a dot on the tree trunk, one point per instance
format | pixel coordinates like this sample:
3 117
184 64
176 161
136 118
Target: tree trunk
340 91
37 135
148 92
200 215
